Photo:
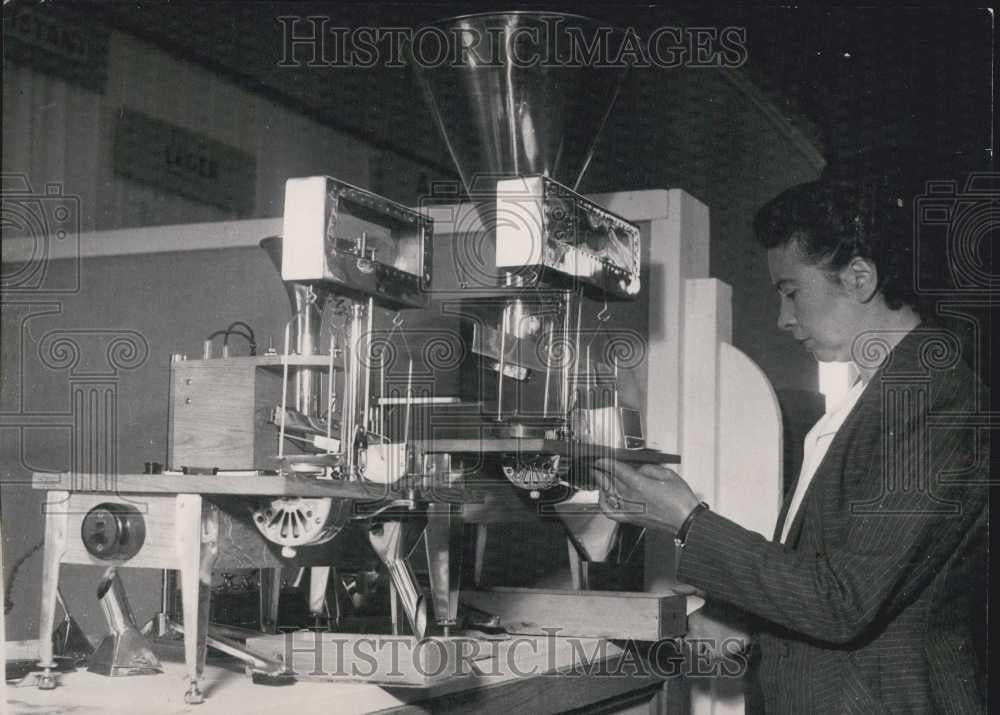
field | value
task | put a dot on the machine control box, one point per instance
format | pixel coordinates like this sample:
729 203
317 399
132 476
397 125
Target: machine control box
364 243
548 232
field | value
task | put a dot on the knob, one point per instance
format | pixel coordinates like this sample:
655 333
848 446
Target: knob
113 532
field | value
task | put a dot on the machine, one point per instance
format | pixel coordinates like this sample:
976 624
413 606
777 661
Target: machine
537 269
353 422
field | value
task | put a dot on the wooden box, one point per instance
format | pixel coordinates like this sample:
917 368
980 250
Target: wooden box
588 614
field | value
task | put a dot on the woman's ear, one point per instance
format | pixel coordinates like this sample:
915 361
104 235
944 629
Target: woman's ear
860 279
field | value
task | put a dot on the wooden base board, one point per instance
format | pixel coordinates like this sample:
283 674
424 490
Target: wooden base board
22 650
370 658
437 664
227 690
586 614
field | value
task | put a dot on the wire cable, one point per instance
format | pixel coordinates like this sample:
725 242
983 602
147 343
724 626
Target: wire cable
8 603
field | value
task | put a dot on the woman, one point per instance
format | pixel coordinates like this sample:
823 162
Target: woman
866 599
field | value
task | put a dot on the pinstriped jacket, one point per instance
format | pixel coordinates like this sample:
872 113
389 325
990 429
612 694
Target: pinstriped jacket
875 602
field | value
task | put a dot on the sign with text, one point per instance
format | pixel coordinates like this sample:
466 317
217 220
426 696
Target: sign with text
184 162
59 42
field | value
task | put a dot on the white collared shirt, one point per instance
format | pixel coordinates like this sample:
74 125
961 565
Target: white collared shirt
816 443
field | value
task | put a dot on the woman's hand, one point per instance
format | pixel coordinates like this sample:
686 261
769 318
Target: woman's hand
652 496
716 635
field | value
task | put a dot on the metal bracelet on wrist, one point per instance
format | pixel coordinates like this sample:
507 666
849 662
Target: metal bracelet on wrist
682 533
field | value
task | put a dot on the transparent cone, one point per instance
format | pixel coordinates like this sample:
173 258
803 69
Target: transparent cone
520 93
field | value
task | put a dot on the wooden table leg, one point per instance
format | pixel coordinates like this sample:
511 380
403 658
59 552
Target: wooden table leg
270 593
197 536
482 530
579 568
56 518
319 579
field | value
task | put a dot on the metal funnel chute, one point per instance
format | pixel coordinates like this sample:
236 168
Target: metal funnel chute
519 93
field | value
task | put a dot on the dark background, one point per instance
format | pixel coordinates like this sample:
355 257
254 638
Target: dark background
909 85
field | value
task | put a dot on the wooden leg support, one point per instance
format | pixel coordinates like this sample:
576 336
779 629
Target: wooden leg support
319 578
482 530
270 592
578 568
197 547
56 517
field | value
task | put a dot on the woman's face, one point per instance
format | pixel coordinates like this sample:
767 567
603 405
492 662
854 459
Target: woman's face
819 312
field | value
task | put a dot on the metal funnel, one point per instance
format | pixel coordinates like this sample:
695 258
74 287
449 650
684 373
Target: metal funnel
518 93
124 651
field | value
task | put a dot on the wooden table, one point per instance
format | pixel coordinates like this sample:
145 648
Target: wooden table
228 691
182 533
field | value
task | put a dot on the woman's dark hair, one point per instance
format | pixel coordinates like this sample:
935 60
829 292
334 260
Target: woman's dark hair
834 221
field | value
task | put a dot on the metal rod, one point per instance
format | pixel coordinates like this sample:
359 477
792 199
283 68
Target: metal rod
409 402
503 356
393 608
564 372
216 638
167 588
330 378
381 402
305 341
366 396
615 356
284 394
113 602
351 383
355 376
576 355
548 371
409 595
